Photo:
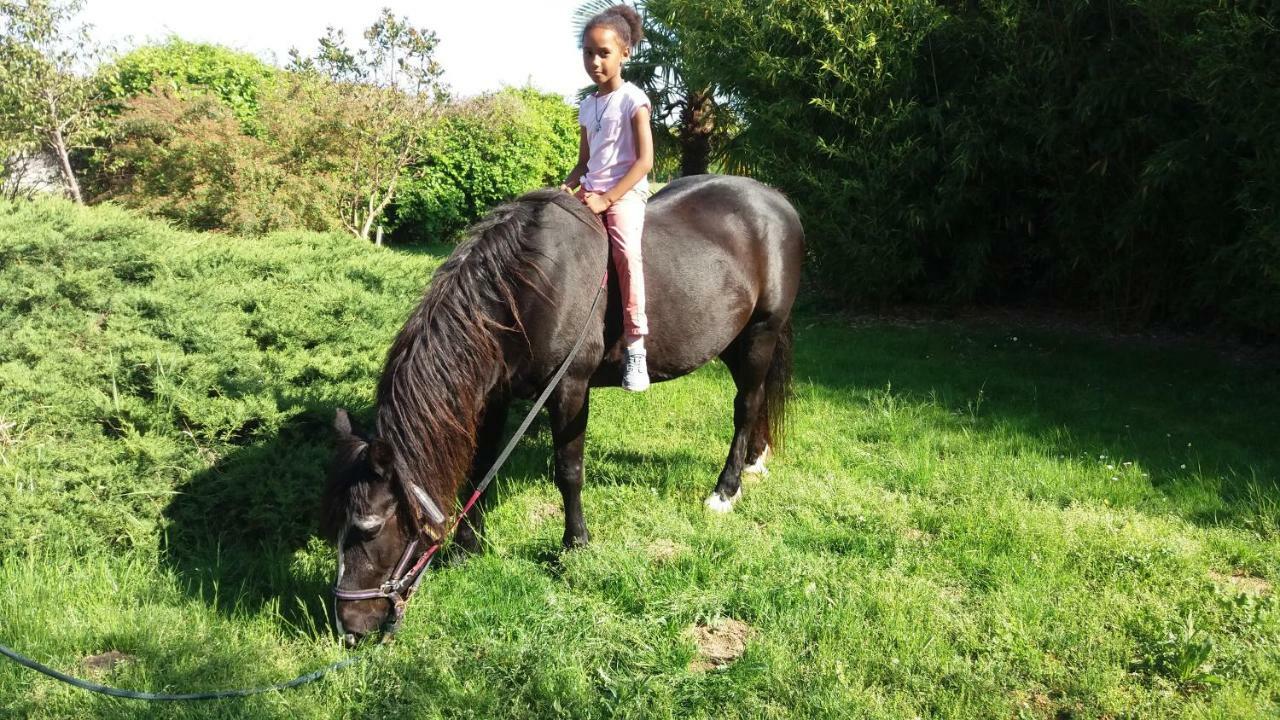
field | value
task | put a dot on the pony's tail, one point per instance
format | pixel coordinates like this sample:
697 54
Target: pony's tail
777 387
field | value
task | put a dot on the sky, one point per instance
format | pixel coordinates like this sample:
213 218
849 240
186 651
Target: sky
484 44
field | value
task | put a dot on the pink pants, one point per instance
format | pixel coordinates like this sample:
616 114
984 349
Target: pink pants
625 222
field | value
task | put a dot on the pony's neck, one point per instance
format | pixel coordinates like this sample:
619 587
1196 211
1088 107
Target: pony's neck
430 404
450 355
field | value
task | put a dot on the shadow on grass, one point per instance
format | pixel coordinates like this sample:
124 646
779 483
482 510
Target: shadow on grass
235 529
1202 427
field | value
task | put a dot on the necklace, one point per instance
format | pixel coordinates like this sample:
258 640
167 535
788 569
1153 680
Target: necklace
601 111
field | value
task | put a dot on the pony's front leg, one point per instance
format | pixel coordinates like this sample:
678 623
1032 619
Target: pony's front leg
568 408
488 442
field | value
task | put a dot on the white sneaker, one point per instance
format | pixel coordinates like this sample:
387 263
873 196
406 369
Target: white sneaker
635 373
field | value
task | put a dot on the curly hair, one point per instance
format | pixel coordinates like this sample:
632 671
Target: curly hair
622 20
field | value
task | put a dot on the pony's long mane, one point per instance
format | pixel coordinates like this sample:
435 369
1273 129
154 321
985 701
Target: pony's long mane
449 356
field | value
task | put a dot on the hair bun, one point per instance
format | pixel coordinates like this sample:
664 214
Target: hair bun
623 20
634 23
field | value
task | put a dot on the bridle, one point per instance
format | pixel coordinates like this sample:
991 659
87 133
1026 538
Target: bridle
398 588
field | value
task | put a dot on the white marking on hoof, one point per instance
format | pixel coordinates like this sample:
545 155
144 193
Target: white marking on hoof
716 504
757 467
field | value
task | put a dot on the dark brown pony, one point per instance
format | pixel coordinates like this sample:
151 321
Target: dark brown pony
722 264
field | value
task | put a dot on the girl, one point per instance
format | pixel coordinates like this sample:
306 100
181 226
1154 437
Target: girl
615 154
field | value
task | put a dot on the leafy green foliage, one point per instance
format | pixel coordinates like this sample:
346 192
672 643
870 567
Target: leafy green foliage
1180 655
396 55
484 151
135 360
189 70
378 103
189 160
1116 157
321 147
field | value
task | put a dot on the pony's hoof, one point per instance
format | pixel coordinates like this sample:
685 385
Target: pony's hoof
715 503
758 467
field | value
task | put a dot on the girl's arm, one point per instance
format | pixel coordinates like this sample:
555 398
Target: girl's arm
644 157
584 155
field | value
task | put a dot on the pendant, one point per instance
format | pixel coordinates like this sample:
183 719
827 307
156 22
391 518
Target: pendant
597 126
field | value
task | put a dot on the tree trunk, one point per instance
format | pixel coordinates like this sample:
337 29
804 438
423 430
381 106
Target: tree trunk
374 212
64 164
696 125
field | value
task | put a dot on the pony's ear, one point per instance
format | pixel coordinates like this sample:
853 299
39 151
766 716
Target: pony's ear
344 426
342 422
380 457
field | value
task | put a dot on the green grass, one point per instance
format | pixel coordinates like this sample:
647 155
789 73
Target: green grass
969 521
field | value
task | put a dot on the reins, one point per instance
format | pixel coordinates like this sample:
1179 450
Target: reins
391 589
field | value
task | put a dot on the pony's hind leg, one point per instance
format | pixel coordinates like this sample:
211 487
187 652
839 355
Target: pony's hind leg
748 359
568 408
760 447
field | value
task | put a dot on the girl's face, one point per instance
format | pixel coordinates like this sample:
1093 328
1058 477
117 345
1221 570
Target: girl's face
602 55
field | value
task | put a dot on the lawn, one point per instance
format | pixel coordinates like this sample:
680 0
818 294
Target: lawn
970 519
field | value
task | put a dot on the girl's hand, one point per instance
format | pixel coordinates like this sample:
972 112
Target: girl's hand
566 188
596 203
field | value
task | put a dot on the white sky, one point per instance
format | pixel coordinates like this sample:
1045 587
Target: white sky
484 44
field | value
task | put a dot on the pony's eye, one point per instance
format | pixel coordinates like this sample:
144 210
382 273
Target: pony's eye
368 525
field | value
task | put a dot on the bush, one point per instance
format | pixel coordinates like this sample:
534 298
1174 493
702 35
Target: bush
188 70
1115 157
189 161
483 152
137 361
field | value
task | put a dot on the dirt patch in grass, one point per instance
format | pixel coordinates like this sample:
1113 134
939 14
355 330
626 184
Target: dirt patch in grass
663 550
8 433
543 512
1032 704
719 643
103 663
1242 582
918 535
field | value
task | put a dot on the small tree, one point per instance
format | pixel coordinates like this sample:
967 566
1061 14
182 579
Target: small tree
384 96
47 99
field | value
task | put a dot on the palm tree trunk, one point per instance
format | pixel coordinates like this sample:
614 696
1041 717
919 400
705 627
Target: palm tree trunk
696 126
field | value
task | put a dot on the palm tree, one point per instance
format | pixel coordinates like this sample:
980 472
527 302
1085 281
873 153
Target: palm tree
687 119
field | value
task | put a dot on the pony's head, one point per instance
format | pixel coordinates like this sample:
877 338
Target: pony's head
374 519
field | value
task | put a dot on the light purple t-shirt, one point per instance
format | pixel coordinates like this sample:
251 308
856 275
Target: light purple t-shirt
610 136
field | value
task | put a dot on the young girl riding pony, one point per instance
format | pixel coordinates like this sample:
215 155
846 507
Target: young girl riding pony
615 154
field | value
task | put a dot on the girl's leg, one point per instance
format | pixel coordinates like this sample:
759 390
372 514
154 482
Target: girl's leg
625 220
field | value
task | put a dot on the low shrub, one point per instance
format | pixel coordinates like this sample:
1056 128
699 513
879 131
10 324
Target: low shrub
484 151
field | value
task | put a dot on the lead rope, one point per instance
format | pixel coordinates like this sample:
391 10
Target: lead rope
166 697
